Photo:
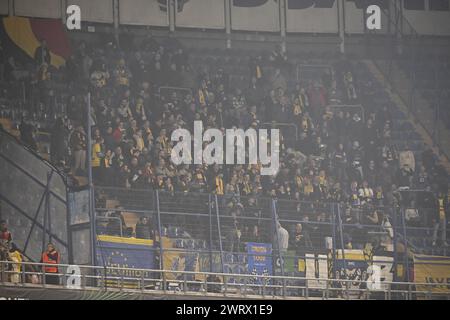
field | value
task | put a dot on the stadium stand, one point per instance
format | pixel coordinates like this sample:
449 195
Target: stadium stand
353 170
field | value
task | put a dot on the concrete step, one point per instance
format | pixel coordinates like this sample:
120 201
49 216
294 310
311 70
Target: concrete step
425 124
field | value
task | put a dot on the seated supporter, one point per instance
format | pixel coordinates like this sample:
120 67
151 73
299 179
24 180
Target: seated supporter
300 240
144 228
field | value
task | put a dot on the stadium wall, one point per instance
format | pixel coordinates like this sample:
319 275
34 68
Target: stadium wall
34 216
302 16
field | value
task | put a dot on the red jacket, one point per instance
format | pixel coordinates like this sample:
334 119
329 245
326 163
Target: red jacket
117 135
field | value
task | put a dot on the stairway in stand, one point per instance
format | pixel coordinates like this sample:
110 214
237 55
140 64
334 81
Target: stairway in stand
422 127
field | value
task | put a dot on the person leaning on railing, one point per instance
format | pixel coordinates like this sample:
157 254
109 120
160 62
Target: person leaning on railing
15 256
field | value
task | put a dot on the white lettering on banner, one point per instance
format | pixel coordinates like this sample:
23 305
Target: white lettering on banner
385 265
374 279
316 268
374 19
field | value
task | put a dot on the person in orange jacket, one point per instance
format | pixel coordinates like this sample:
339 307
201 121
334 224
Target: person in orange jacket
51 258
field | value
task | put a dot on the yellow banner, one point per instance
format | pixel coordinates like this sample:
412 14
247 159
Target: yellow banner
114 239
177 260
432 270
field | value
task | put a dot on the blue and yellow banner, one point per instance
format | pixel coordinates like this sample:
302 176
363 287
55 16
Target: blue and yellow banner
118 252
178 259
259 258
433 270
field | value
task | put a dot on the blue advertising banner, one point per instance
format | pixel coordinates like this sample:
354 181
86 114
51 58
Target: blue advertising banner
125 253
259 258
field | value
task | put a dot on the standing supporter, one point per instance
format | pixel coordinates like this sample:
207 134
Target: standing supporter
440 220
300 241
5 234
282 238
79 145
42 54
58 142
51 259
97 156
16 257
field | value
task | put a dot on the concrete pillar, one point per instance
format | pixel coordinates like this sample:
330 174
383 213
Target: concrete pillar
391 18
172 5
116 18
282 12
11 8
63 11
341 24
399 29
227 6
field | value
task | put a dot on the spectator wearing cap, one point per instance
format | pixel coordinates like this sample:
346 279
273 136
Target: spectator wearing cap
42 54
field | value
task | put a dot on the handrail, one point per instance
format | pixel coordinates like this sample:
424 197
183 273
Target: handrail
219 274
123 276
298 66
287 207
112 218
8 135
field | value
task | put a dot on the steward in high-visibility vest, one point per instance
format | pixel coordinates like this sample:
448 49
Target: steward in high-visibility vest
51 258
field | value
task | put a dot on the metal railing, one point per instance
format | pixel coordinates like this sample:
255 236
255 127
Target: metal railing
274 124
312 71
190 210
148 281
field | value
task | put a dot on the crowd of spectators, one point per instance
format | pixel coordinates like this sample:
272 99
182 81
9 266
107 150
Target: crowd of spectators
340 155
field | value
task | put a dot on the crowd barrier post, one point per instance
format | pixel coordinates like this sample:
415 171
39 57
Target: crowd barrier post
161 250
395 240
405 240
210 234
219 233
